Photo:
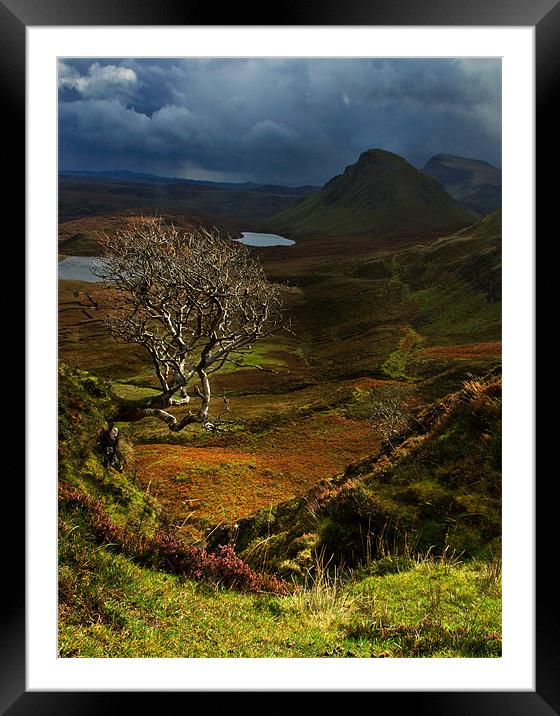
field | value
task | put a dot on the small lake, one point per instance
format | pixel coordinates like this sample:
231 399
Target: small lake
250 238
78 268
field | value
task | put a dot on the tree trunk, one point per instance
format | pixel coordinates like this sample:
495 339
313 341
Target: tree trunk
131 411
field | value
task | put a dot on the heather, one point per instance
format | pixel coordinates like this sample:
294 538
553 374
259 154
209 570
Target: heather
164 550
131 584
343 496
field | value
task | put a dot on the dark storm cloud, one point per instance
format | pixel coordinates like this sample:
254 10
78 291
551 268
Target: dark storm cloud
277 120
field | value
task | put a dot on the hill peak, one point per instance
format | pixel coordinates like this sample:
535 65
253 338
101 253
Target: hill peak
379 158
380 154
381 192
473 182
455 159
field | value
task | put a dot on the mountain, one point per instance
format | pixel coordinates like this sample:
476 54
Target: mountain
381 192
474 183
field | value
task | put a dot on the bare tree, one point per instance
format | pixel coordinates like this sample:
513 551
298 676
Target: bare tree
194 299
389 411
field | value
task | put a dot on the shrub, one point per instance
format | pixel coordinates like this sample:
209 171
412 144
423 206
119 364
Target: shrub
165 551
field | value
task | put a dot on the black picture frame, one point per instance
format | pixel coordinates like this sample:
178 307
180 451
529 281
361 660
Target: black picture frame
544 15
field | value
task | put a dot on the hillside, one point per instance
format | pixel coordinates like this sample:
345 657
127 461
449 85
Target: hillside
474 183
381 192
79 237
129 586
425 313
412 524
439 489
239 207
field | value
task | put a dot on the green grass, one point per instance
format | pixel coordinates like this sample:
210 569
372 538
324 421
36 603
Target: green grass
85 410
441 484
260 354
434 609
111 607
396 364
129 391
444 482
143 613
457 314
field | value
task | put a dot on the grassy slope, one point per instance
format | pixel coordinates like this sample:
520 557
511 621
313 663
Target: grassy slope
86 202
476 184
112 606
85 410
440 489
312 216
383 315
423 317
290 428
456 283
380 192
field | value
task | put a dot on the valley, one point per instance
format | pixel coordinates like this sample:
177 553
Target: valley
393 293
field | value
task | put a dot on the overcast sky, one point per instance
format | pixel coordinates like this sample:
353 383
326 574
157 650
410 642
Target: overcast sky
291 121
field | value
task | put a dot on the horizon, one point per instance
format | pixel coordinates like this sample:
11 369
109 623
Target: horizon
287 184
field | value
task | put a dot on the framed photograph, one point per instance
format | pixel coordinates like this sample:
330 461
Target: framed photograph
242 140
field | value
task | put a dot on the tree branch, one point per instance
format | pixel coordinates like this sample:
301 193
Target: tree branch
190 299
